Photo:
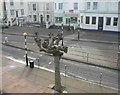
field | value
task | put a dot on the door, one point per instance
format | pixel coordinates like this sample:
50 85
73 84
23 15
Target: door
16 13
48 17
100 23
41 18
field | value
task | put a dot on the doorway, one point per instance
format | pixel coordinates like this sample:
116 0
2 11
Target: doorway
100 23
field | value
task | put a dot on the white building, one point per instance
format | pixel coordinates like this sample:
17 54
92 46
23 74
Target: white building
67 11
1 8
17 11
40 12
99 15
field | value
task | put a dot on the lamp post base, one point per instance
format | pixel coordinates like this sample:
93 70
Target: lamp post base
26 60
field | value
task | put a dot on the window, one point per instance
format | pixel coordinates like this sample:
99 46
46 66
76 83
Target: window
35 17
47 6
73 19
34 7
95 5
115 20
12 12
75 6
58 19
21 2
88 5
55 5
22 11
60 6
108 20
87 20
30 16
11 3
81 19
93 20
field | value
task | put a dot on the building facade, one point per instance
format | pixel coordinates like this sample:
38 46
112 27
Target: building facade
67 12
1 9
100 15
17 12
40 12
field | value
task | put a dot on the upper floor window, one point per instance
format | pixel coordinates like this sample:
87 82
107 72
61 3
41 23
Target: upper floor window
108 20
12 12
75 6
22 11
95 5
60 6
55 6
88 5
47 6
11 3
115 21
21 2
34 7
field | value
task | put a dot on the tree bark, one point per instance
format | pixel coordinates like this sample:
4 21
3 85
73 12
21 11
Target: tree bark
57 73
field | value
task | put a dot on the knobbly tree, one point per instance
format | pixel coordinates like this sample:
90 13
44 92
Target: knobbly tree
53 46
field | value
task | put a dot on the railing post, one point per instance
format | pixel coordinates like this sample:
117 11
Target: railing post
87 57
100 78
65 74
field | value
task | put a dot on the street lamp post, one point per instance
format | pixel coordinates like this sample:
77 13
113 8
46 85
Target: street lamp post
69 23
100 78
78 29
62 33
78 34
118 61
25 34
58 24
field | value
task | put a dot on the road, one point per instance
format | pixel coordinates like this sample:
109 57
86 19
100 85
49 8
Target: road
83 71
107 50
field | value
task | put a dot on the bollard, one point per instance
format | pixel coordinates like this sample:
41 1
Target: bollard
65 74
38 63
6 39
78 35
87 57
100 78
31 64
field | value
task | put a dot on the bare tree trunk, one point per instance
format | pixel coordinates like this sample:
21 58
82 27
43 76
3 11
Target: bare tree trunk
57 73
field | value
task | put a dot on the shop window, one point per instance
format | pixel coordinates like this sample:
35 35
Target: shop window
108 20
87 20
93 20
115 21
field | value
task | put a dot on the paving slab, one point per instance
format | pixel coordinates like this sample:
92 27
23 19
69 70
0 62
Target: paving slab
22 79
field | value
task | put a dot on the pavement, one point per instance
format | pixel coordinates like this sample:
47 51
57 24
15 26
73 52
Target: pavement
17 78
